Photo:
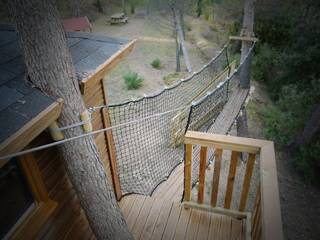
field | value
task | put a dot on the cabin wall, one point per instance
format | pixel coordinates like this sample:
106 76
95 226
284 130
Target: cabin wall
68 220
95 96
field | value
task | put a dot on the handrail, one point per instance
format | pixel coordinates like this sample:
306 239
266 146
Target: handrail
266 216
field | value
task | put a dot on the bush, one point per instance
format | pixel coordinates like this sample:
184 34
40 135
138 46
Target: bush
156 63
133 80
307 162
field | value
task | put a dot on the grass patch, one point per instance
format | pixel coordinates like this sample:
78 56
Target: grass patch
173 77
132 80
156 63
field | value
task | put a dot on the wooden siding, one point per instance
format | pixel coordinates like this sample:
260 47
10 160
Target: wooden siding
68 220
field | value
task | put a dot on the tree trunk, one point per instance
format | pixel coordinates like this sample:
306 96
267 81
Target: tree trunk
247 31
242 128
75 6
181 40
178 68
199 8
99 6
50 68
311 127
124 10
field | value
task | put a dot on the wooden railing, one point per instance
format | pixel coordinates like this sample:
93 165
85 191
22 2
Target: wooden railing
264 222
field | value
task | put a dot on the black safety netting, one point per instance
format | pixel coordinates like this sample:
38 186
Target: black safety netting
204 112
147 151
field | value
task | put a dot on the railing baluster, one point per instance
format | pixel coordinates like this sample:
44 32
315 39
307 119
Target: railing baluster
187 171
202 173
246 181
216 177
231 177
256 213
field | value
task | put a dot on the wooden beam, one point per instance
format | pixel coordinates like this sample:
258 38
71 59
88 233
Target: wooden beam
242 38
270 200
102 70
32 129
219 210
239 144
112 156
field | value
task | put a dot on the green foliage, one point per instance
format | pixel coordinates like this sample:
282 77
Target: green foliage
285 121
132 80
307 161
156 63
172 77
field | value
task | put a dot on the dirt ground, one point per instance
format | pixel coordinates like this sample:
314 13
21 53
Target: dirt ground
154 36
300 202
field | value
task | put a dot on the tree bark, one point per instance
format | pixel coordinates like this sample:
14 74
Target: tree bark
178 68
99 6
247 31
180 37
75 6
199 8
50 68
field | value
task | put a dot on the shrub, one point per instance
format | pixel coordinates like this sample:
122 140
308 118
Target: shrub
171 78
133 80
307 162
156 63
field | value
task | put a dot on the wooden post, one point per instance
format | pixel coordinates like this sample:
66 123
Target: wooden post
246 182
231 177
202 173
247 31
216 177
187 172
111 148
112 156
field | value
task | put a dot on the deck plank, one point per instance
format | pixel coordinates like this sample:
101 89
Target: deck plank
182 226
172 222
162 221
193 224
152 219
204 224
142 217
135 211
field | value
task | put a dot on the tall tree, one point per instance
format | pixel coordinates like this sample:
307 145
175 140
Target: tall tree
75 6
247 31
50 68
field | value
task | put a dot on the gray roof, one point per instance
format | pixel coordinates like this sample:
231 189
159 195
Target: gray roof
19 100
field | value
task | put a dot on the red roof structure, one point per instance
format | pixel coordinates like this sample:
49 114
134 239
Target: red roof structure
77 24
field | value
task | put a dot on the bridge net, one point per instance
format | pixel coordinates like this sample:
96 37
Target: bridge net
205 111
147 151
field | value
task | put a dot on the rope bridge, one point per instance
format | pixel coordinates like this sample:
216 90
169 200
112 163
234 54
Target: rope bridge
148 151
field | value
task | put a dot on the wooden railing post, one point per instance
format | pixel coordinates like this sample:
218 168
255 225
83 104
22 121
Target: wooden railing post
232 174
187 172
246 182
216 177
202 173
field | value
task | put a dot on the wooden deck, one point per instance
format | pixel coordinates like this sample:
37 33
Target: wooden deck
161 216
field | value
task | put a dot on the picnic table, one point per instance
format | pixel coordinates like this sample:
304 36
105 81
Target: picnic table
118 18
